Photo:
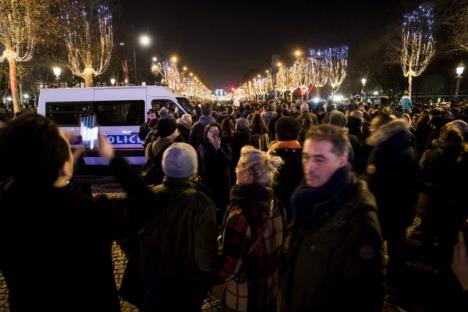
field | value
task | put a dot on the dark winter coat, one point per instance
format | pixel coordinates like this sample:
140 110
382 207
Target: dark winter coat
56 244
335 255
392 173
215 173
290 173
178 247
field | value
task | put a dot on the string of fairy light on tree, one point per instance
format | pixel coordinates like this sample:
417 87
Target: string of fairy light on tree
17 38
185 82
88 38
418 44
319 68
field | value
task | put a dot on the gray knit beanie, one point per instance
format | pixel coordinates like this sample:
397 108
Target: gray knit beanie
180 161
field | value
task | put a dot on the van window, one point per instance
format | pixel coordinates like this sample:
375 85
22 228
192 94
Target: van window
120 113
109 113
67 113
160 103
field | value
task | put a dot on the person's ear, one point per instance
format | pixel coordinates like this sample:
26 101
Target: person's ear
343 160
67 169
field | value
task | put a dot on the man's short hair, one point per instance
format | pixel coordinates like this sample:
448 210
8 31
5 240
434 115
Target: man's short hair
206 109
335 135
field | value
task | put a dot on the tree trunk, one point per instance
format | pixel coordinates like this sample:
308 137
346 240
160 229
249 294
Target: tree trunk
410 85
88 78
13 87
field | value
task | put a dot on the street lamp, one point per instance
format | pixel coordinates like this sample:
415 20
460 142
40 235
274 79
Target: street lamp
459 70
298 53
57 72
144 41
155 59
174 59
363 81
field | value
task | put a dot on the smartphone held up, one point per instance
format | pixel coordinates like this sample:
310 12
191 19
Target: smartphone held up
89 131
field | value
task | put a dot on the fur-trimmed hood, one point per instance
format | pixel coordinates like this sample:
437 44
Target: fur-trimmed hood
388 130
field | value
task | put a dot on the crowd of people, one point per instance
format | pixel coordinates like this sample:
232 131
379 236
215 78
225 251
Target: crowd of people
272 206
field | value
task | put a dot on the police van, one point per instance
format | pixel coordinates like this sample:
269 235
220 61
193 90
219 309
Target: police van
119 113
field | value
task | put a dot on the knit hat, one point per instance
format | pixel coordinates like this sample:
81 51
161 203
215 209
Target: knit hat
337 118
180 161
287 129
166 127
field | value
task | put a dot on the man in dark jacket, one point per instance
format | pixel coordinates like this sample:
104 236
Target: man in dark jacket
392 173
179 241
335 255
289 149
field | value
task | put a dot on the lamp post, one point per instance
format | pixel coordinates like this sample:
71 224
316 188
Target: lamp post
363 82
57 72
459 70
144 41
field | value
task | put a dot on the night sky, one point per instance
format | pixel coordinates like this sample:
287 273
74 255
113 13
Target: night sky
223 40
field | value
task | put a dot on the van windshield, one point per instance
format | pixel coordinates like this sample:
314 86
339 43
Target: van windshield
185 103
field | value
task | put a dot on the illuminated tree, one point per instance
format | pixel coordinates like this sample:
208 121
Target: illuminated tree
336 63
418 44
172 75
318 73
282 79
89 38
18 35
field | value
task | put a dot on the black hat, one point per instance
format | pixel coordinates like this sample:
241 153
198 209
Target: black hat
166 127
287 129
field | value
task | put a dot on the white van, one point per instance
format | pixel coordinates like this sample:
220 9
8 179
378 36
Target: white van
119 110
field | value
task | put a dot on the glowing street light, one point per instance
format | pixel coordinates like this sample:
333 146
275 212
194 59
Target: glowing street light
298 53
155 59
185 68
459 70
279 64
174 59
57 72
144 40
363 81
